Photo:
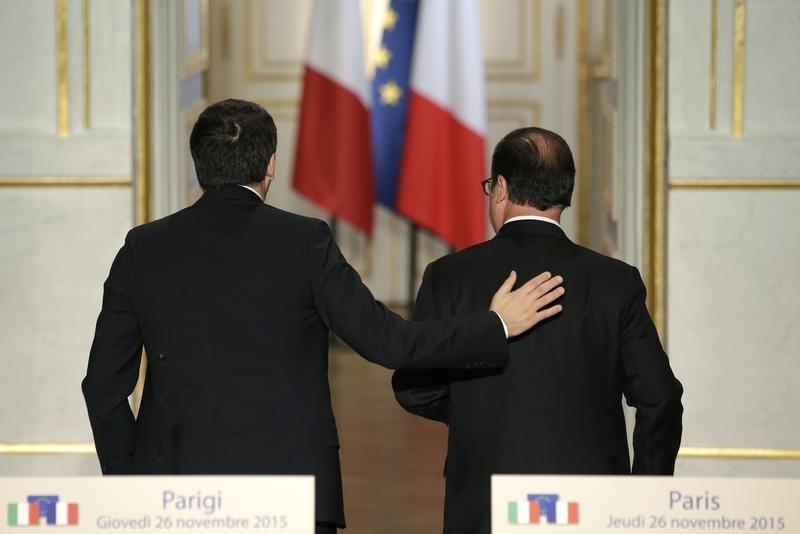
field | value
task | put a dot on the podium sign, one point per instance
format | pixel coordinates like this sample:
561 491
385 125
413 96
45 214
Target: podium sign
627 504
168 504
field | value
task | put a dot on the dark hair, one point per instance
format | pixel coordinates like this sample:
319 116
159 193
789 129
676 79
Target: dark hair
538 166
231 143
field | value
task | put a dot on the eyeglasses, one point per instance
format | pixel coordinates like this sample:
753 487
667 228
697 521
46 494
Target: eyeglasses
486 185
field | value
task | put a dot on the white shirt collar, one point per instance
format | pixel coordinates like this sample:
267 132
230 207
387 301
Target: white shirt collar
256 193
531 218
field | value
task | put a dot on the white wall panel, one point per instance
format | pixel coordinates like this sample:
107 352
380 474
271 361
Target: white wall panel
733 284
111 64
733 248
58 244
27 57
772 68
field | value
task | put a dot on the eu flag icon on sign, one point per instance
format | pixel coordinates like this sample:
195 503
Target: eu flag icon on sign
547 504
47 506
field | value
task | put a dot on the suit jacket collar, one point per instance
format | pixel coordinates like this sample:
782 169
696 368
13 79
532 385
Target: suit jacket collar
230 193
531 227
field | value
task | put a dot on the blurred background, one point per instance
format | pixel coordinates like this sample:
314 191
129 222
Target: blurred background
683 116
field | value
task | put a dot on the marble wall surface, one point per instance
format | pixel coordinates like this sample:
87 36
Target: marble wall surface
734 279
57 241
733 231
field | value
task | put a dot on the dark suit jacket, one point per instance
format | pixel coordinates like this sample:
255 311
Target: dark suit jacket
232 300
556 408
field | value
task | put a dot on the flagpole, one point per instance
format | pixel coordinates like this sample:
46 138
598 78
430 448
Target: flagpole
412 265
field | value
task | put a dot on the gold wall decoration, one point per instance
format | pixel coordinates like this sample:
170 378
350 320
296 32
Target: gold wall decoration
62 70
47 448
738 69
142 111
560 31
521 67
287 70
739 453
197 60
64 181
736 184
584 162
87 66
712 81
656 167
519 111
142 135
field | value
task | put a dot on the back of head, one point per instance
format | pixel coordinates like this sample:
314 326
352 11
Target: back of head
538 167
231 143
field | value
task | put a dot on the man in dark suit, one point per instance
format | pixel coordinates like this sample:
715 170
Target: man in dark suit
232 300
556 408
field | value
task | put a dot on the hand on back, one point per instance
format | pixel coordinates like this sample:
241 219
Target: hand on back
525 307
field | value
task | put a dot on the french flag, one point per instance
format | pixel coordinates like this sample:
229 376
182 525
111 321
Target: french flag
333 165
443 153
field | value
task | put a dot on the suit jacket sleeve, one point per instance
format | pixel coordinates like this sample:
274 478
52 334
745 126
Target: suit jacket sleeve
348 308
650 387
113 369
424 393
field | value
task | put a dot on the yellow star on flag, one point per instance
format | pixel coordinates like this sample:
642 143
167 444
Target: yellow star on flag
382 57
390 93
390 19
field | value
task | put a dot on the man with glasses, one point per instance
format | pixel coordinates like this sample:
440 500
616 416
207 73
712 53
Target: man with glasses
556 408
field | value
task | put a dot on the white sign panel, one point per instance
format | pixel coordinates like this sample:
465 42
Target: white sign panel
168 504
616 504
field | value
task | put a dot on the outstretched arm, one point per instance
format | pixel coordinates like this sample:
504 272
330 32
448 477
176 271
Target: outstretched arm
477 340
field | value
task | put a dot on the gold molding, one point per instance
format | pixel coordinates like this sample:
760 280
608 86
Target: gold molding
532 107
48 448
729 453
712 81
502 66
602 68
281 109
87 65
738 69
198 60
584 124
142 136
739 453
656 167
560 32
62 70
735 184
142 107
251 73
64 181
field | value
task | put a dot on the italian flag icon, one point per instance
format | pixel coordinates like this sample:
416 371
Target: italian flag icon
23 514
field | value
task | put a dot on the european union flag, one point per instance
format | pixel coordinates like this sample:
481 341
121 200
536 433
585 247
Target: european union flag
390 90
47 506
547 504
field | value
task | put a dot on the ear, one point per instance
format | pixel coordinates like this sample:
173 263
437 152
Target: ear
271 168
500 189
